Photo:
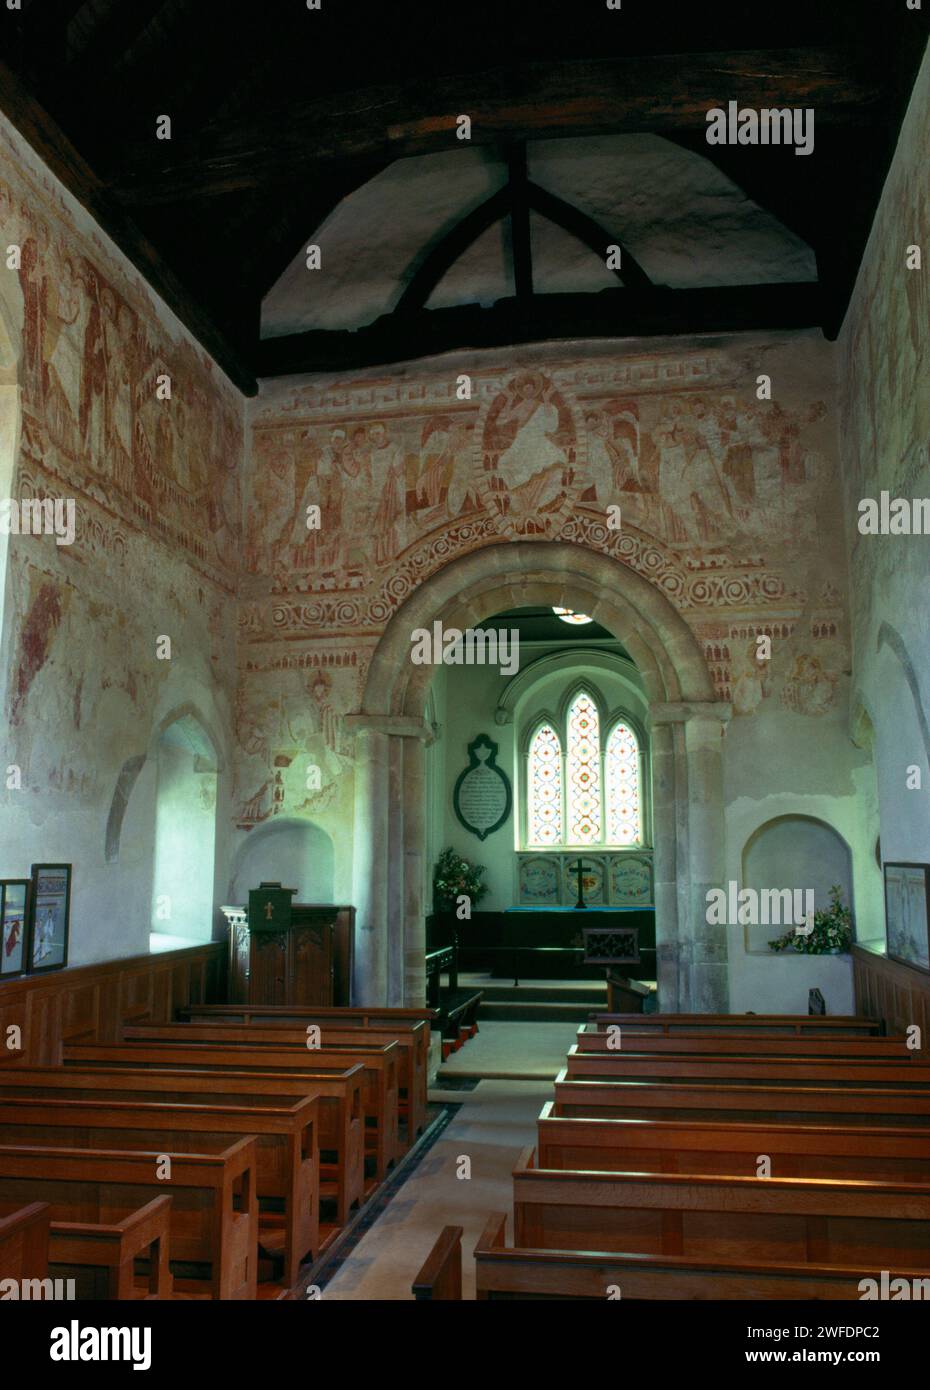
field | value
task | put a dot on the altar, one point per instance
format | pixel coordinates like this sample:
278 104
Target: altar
545 943
548 943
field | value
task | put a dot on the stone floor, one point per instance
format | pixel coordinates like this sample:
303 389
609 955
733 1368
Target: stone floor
495 1121
513 1050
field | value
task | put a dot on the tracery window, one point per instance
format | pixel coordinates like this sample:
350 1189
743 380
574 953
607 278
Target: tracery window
583 789
544 786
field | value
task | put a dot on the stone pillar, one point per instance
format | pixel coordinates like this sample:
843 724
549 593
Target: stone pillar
387 871
665 867
370 867
710 990
414 873
689 856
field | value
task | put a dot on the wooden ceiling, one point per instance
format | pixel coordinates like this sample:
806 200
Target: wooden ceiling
278 112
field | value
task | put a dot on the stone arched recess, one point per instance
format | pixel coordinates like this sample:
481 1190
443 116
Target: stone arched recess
686 720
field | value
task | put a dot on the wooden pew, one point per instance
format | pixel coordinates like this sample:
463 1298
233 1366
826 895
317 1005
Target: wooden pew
776 1025
696 1146
796 1071
508 1273
287 1150
669 1100
591 1038
411 1039
341 1117
213 1214
418 1022
24 1242
788 1220
105 1253
441 1275
379 1070
99 1257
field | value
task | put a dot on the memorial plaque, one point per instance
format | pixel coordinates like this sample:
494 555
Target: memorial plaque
482 795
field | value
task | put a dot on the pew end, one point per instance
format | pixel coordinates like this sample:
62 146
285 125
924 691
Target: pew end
441 1275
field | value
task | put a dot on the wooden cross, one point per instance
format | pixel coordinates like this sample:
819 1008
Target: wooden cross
579 870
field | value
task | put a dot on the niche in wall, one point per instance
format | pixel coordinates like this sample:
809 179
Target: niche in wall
794 852
295 853
185 835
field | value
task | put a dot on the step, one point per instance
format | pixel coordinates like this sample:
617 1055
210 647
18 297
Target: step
533 1012
538 993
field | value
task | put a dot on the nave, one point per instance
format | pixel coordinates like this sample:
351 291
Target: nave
729 1157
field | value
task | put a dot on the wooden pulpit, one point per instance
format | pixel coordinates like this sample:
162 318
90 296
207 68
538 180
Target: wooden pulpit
289 953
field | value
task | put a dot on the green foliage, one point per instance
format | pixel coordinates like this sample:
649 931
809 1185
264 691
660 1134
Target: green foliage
454 876
833 930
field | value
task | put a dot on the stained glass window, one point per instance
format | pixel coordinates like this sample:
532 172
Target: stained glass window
544 810
583 771
624 803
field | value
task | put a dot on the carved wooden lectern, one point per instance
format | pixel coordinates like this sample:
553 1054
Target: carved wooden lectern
284 953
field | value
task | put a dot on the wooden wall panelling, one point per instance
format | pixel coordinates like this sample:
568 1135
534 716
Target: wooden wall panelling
94 1001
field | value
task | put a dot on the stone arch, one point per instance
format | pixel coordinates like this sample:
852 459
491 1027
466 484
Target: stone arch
524 573
686 727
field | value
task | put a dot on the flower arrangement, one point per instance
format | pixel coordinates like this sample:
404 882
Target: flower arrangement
454 876
832 932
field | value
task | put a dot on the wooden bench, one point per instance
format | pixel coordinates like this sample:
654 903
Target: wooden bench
287 1172
507 1273
378 1063
213 1213
777 1025
341 1127
596 1039
441 1276
100 1257
669 1100
410 1038
24 1242
418 1022
696 1146
796 1071
788 1220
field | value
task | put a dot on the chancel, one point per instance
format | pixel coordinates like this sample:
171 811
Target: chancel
464 495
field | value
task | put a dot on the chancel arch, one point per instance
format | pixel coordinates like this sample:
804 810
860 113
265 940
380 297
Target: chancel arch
686 724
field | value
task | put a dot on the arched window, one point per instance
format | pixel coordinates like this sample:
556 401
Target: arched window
583 789
584 771
544 787
624 798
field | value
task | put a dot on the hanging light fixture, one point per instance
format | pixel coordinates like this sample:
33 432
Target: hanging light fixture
568 615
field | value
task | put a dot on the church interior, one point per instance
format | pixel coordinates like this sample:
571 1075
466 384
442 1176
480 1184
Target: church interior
465 677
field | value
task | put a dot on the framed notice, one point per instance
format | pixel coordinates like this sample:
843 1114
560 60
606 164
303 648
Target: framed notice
482 795
907 913
49 917
14 919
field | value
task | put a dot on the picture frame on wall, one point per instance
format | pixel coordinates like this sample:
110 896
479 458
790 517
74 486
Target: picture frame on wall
907 913
14 926
49 917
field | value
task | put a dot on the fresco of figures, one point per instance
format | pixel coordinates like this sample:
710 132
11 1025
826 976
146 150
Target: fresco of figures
93 357
726 501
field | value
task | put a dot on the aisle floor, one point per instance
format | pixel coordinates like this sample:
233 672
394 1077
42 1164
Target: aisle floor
495 1122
